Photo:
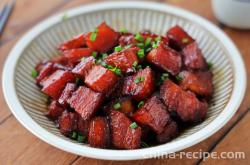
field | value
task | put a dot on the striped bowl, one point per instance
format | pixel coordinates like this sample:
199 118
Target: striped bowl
28 104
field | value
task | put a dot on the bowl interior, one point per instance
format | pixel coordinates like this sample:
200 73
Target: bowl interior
134 19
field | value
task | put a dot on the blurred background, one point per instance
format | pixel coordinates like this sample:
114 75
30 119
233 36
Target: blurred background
18 146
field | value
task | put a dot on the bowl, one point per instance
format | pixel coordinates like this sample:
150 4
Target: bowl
28 104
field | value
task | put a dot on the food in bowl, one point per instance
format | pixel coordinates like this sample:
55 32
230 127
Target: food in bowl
122 90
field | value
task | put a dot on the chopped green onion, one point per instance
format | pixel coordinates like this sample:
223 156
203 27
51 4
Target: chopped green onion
34 73
109 67
148 49
178 78
148 41
144 145
104 55
94 54
116 70
98 61
83 59
135 64
138 37
133 125
78 81
65 17
93 35
210 65
140 45
81 138
117 106
141 103
139 79
74 135
139 67
155 45
185 40
158 39
164 76
118 48
123 30
104 64
127 46
141 53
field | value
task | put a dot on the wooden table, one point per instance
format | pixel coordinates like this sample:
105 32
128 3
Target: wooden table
18 146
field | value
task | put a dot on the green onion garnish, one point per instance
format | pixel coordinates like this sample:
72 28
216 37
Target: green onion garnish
158 39
148 41
144 145
118 48
210 65
164 76
104 55
78 81
185 40
81 138
65 17
141 53
140 45
139 67
133 125
34 73
138 37
94 54
141 103
135 64
117 106
139 79
93 35
123 30
127 46
104 64
155 45
74 135
116 70
178 78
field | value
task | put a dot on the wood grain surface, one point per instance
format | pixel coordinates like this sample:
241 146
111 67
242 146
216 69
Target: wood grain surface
19 146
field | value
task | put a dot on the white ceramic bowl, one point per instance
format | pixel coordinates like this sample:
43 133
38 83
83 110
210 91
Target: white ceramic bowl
27 103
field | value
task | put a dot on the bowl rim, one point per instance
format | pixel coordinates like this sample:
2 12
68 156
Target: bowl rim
23 117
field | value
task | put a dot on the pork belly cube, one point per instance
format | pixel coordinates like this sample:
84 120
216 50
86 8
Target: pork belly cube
170 132
83 126
123 60
166 59
185 104
99 133
68 122
123 105
66 93
76 42
44 72
100 79
75 55
199 82
178 38
83 67
103 39
55 83
127 39
193 57
139 85
85 102
122 135
54 110
153 114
